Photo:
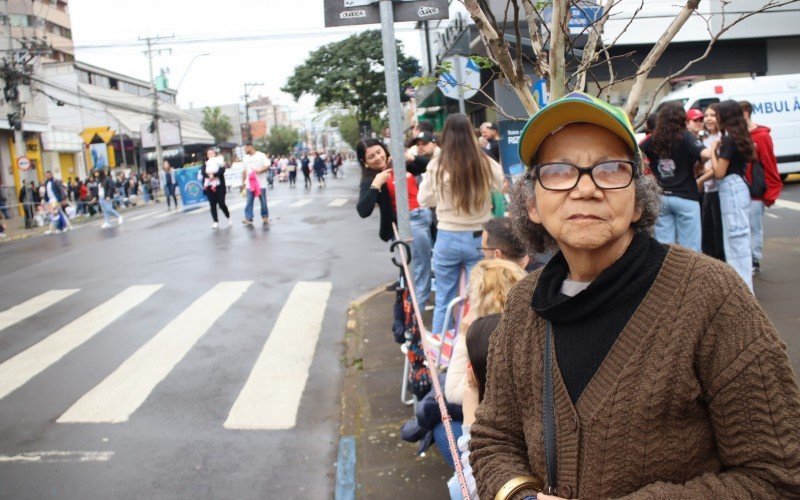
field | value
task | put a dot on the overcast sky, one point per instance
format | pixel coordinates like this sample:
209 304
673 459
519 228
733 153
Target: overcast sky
219 77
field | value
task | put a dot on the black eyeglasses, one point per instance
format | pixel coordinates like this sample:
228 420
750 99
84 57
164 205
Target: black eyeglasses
562 176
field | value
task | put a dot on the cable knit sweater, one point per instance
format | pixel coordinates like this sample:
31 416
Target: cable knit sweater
696 398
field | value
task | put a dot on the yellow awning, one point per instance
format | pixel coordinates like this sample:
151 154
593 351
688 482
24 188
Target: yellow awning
105 134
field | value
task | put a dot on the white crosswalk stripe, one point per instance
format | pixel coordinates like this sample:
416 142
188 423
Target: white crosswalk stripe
32 306
772 216
24 366
338 202
122 392
274 203
301 203
271 396
791 205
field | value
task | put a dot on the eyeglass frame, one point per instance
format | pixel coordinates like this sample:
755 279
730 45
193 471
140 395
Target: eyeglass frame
581 171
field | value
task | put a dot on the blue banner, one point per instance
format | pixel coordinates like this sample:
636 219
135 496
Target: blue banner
510 132
190 186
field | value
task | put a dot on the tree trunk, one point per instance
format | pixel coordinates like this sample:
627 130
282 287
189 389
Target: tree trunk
558 37
632 106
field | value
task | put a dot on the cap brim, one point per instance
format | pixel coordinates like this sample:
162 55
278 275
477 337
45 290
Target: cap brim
558 114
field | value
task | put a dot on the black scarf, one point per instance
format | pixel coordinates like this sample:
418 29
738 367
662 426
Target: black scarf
587 325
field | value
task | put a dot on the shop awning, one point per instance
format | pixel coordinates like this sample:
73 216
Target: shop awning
133 111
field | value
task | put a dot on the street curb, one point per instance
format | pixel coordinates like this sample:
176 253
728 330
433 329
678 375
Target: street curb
358 301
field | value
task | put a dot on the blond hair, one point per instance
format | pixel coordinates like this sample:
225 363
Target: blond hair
489 284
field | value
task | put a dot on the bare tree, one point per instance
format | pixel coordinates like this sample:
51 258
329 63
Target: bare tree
552 64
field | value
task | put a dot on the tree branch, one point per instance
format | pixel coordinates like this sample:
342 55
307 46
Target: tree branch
632 106
589 51
534 19
498 49
771 4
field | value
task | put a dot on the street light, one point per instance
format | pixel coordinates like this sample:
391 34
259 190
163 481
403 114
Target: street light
188 68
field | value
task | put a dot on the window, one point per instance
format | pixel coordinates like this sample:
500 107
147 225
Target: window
19 20
101 81
83 76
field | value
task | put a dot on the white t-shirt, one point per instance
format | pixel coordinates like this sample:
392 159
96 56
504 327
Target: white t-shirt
254 161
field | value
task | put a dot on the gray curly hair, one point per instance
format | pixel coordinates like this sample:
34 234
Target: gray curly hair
538 240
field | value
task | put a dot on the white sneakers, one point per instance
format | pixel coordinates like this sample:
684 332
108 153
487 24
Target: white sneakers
230 222
215 226
105 225
119 220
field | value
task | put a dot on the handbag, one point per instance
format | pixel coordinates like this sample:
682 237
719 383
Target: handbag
758 183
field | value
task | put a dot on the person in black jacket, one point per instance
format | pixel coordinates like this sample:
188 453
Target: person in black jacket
213 172
319 169
377 188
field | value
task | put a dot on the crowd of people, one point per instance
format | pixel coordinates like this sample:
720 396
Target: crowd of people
718 172
56 202
602 353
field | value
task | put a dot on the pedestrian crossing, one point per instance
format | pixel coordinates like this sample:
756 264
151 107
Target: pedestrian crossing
270 397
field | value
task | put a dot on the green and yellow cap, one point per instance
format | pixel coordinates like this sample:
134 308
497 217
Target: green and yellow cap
575 107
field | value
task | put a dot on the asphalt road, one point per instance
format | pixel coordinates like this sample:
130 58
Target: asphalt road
178 357
138 381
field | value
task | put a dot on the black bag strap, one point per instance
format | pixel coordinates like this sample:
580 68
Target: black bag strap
549 414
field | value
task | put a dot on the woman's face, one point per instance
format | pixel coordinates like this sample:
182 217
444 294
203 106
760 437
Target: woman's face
710 120
586 217
375 158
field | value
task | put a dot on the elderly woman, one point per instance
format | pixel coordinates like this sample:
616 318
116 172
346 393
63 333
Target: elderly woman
624 367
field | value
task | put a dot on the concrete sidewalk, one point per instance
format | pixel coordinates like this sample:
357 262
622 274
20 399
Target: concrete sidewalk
386 466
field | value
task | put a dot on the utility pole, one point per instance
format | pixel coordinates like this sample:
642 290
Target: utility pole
395 118
248 86
151 41
16 70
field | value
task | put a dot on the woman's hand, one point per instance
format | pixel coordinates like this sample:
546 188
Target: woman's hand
542 496
381 178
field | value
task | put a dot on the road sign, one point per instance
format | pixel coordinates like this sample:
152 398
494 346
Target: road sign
470 79
355 12
24 163
580 16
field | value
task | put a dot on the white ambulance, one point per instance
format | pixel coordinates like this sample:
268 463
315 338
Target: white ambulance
776 104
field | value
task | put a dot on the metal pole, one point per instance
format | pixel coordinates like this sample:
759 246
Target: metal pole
159 152
246 114
460 82
395 118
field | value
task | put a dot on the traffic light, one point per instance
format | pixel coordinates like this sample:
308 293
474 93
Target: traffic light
15 120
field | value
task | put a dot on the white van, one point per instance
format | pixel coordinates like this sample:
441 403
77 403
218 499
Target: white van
776 104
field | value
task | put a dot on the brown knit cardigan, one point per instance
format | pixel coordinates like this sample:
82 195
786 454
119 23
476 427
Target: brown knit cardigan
696 399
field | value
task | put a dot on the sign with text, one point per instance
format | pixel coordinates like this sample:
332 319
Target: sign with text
580 16
510 133
355 12
190 186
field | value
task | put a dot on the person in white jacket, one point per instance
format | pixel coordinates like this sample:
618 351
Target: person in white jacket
458 183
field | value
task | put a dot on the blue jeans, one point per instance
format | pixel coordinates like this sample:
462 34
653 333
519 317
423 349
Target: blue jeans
679 222
453 251
440 440
421 252
108 210
734 202
757 229
248 209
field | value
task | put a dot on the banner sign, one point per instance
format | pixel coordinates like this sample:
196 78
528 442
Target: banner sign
510 132
191 186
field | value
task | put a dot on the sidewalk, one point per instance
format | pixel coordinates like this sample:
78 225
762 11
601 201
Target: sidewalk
386 466
15 227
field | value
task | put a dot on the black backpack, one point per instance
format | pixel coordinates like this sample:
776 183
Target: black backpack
758 184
